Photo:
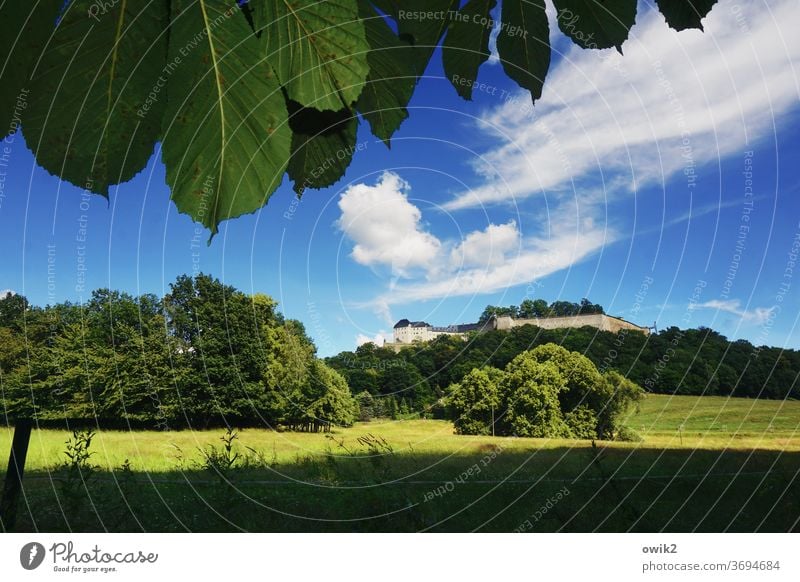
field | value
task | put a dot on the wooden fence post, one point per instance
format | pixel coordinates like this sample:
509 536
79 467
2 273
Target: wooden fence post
16 469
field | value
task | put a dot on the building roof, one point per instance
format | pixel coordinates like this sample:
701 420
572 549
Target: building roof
407 323
461 328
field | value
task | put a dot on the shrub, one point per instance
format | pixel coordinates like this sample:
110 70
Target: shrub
545 392
533 405
582 423
475 402
627 434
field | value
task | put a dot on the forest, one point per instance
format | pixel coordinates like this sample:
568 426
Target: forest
204 355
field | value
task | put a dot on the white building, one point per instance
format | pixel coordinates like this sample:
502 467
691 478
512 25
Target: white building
407 332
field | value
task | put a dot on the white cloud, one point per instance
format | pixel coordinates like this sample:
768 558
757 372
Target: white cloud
486 248
385 226
696 213
377 339
483 261
571 238
756 316
673 102
5 292
386 229
606 125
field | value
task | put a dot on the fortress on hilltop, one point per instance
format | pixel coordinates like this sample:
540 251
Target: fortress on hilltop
407 332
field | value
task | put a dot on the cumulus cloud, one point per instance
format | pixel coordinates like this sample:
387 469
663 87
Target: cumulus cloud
488 247
672 103
756 316
385 227
377 339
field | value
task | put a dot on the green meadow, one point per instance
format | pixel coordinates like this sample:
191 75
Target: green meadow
701 464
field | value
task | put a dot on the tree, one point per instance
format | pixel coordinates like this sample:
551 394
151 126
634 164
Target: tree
617 395
12 372
320 402
214 323
406 382
564 308
475 402
532 389
287 372
240 93
494 311
581 377
368 407
12 308
530 309
547 392
589 399
207 354
588 308
329 399
75 380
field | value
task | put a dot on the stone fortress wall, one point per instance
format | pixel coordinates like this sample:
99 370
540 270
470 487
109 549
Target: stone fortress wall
407 332
600 321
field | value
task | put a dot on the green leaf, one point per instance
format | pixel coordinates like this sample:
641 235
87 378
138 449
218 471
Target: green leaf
391 79
26 29
226 136
86 121
421 23
323 143
524 44
466 46
596 24
317 49
685 14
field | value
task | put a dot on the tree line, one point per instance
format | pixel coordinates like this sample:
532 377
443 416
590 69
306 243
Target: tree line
535 308
203 355
207 354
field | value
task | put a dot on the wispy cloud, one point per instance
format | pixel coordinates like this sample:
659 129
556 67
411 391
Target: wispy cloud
696 213
672 103
756 316
540 257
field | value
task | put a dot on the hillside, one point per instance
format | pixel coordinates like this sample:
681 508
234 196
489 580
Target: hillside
672 361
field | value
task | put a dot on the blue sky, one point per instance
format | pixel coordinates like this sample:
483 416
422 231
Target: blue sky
637 181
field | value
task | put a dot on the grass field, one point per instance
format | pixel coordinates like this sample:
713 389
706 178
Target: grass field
705 464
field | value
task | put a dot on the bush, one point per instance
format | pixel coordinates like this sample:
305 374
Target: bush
533 389
475 401
627 434
547 392
582 423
